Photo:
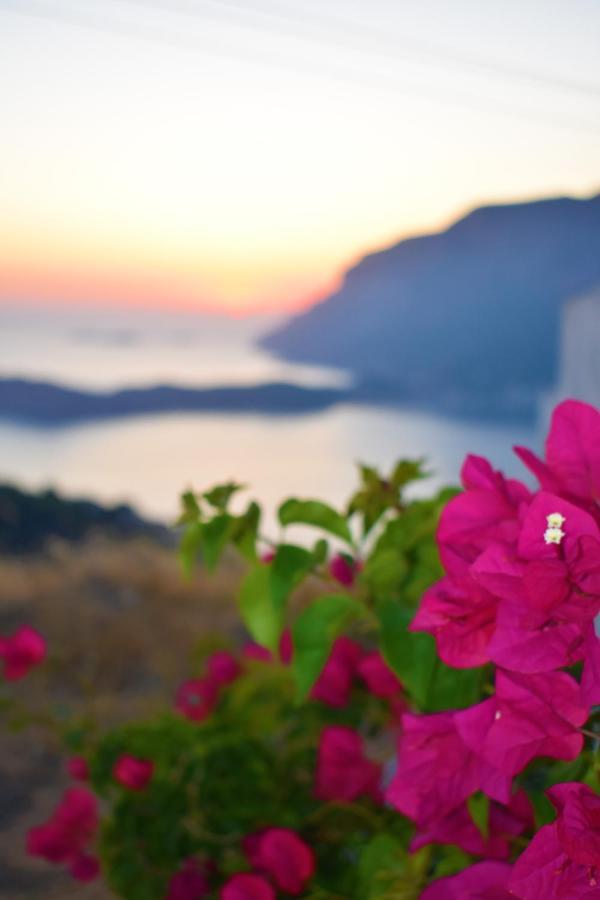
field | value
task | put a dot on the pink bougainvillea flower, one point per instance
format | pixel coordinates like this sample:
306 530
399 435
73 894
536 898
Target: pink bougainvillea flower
22 651
267 557
487 511
505 822
252 650
284 856
344 772
343 569
461 616
548 593
528 641
535 542
78 768
189 883
578 822
196 698
378 677
334 684
563 859
246 886
483 881
529 716
572 466
132 772
590 679
554 570
65 837
286 647
85 867
222 668
437 771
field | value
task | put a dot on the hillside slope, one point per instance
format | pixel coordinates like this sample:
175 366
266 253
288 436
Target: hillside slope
461 318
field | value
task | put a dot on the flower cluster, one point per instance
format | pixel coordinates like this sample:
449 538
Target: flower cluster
197 697
270 799
280 861
66 837
21 652
521 591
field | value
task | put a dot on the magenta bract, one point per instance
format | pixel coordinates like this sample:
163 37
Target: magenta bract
378 677
22 651
437 770
247 887
529 716
66 836
572 466
483 881
344 772
189 883
335 681
133 773
563 859
282 855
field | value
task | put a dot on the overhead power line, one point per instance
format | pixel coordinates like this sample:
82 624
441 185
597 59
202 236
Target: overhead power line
383 43
343 74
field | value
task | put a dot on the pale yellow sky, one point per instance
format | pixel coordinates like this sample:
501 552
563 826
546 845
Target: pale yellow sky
240 155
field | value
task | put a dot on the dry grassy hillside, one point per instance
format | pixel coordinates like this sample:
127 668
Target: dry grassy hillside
122 628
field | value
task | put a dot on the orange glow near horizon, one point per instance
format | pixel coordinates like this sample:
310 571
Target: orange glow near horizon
227 161
91 270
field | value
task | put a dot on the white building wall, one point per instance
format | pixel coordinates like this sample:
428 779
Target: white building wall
579 362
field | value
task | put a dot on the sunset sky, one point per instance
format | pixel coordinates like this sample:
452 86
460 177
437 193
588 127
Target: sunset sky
238 155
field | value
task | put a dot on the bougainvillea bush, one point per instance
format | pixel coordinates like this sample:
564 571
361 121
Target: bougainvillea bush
410 712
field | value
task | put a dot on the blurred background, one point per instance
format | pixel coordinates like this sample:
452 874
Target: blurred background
388 209
263 240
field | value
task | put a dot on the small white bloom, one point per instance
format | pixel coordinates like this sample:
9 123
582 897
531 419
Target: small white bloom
553 535
555 520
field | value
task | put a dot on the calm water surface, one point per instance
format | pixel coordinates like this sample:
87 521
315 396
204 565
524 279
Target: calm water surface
149 460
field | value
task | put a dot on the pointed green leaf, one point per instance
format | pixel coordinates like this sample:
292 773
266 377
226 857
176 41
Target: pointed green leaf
262 619
189 547
479 809
314 512
314 632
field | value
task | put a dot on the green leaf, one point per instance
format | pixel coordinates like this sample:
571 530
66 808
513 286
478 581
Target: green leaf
221 494
190 509
314 512
384 571
245 531
407 470
411 656
314 632
379 861
454 688
320 552
452 860
266 589
433 685
216 534
288 567
542 807
189 547
262 619
479 809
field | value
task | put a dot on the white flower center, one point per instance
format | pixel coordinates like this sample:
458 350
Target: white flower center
554 533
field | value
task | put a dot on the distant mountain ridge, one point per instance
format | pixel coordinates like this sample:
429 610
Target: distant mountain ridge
28 520
462 319
43 403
